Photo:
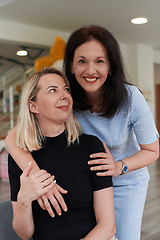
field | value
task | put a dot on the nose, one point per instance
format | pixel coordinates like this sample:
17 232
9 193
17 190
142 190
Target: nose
91 68
64 95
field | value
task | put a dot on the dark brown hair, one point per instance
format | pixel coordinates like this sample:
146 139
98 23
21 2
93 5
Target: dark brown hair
114 95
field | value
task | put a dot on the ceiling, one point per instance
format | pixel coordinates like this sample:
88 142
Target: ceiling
68 15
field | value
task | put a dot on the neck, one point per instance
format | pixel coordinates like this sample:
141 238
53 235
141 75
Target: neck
95 100
53 130
94 97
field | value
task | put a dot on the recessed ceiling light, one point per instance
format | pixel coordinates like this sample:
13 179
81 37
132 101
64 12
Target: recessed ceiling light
22 53
139 20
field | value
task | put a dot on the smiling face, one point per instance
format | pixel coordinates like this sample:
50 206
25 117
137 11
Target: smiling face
91 66
53 103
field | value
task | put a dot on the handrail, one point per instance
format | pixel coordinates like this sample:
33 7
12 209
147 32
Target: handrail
11 82
7 88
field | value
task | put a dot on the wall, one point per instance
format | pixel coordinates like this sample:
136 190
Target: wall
139 59
140 66
23 33
157 73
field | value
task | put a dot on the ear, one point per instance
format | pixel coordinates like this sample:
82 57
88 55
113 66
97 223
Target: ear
33 107
110 72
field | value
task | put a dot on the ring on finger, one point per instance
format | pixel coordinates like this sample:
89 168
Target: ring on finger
44 184
46 202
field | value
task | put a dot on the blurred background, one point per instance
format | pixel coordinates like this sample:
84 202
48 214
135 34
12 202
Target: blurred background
33 25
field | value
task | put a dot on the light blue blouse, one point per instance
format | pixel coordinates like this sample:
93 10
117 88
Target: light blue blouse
122 133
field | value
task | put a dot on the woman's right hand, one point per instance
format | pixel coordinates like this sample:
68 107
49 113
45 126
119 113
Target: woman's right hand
35 185
53 192
55 198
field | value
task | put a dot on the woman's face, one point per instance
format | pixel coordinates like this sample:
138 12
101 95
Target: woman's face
53 103
91 66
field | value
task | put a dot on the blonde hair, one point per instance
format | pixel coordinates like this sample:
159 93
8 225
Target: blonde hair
29 133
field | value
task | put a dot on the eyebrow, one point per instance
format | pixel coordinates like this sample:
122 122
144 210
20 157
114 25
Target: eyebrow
80 57
101 57
97 57
56 86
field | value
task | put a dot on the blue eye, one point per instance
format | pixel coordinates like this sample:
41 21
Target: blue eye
81 61
52 90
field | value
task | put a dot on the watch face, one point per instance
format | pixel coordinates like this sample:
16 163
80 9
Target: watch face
125 169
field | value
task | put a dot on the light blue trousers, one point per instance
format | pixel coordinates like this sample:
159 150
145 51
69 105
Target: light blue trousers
129 201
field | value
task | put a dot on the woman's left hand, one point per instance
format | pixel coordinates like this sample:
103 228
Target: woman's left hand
105 163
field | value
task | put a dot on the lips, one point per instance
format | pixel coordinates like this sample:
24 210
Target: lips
64 107
92 79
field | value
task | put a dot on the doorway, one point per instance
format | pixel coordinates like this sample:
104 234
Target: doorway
157 97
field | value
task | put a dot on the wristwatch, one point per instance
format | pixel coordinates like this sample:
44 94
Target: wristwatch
124 168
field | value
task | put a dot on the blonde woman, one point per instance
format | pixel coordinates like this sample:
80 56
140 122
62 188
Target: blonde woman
47 129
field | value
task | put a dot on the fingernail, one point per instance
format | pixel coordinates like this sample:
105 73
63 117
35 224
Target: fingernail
29 163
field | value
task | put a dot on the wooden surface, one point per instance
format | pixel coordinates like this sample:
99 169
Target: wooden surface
151 217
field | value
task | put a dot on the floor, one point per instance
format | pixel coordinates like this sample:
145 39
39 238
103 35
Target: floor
151 217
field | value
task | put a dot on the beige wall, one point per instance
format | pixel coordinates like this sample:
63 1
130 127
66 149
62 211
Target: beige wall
139 59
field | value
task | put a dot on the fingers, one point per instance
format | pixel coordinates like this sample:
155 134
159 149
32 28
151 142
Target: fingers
106 170
105 147
102 174
60 200
61 190
98 161
55 204
49 209
98 155
55 198
50 193
46 205
109 168
46 180
42 178
101 154
41 202
104 161
27 170
41 174
100 168
47 188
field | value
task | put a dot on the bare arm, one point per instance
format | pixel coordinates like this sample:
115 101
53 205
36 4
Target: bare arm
104 212
31 188
147 155
23 158
24 221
